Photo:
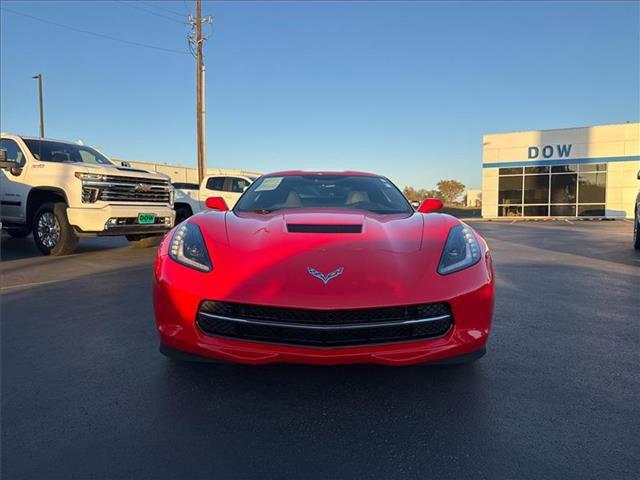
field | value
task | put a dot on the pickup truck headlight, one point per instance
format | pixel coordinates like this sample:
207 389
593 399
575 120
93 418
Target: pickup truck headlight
188 248
90 176
460 251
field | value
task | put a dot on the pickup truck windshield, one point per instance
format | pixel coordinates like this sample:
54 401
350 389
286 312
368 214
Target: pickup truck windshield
375 194
48 151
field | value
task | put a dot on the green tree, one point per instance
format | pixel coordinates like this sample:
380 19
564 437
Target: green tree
450 190
412 194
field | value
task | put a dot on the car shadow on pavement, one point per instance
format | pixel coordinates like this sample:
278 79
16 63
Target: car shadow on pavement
23 248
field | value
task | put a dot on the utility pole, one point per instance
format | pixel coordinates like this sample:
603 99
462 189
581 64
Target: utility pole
202 169
198 39
39 78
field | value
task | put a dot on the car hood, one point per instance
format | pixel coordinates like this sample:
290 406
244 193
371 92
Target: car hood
115 170
257 259
316 232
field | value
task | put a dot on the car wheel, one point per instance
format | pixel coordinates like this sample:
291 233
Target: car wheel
636 231
52 232
144 241
182 213
18 232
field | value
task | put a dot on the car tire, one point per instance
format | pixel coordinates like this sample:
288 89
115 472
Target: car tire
52 233
144 241
18 232
636 231
182 213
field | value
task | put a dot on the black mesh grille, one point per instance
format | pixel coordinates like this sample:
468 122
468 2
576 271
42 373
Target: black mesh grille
351 327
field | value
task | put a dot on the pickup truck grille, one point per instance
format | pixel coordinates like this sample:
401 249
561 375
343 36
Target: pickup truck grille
112 188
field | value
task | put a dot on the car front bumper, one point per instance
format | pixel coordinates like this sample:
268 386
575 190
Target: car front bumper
176 306
95 221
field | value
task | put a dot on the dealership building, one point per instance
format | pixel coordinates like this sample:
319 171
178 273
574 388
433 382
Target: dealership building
571 172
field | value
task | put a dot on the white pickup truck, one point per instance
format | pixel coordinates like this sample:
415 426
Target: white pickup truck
60 191
190 197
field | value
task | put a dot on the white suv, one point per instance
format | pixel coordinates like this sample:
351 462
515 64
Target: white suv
60 191
190 197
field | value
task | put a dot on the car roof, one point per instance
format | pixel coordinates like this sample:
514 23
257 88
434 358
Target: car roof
344 173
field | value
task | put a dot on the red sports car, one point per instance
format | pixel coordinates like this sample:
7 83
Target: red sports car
323 268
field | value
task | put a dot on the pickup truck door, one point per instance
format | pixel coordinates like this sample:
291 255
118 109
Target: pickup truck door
13 187
234 186
211 187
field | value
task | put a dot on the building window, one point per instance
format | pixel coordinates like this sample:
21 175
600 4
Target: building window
562 210
591 210
591 187
536 189
511 171
564 168
510 190
560 190
510 211
536 210
563 189
536 169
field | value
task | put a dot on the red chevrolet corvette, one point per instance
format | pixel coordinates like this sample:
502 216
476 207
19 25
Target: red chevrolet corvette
323 268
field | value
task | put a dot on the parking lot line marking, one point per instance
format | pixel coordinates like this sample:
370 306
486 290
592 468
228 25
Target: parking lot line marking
23 285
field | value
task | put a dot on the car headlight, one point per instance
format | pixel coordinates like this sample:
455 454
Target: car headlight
90 176
460 251
188 248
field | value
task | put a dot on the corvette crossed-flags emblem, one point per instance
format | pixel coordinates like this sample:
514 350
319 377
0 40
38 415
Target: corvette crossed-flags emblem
325 278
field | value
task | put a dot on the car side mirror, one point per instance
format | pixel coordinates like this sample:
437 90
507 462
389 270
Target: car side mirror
216 203
4 163
429 205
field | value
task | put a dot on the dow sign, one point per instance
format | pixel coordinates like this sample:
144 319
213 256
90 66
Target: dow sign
548 151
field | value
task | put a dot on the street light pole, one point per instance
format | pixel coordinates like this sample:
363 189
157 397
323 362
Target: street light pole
39 77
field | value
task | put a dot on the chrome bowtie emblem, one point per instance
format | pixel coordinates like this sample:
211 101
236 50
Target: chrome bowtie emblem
325 278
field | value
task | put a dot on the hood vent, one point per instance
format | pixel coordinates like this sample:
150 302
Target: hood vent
304 228
127 169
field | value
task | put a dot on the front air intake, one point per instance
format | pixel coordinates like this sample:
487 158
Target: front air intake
303 228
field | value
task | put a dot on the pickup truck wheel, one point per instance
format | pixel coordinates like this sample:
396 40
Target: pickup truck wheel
18 232
52 232
144 241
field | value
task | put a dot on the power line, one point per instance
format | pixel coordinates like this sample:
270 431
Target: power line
184 4
151 12
95 34
162 8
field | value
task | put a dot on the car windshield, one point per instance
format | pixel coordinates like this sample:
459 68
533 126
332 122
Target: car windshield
49 151
375 194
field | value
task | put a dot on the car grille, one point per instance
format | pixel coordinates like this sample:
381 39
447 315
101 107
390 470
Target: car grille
324 328
126 189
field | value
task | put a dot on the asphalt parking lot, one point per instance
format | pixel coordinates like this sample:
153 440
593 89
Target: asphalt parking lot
85 393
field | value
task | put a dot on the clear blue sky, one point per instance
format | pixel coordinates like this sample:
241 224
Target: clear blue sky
403 89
